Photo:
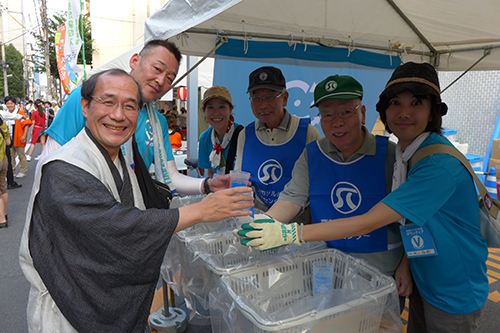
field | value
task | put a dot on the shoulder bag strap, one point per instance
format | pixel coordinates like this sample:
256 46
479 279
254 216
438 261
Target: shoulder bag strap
490 204
232 149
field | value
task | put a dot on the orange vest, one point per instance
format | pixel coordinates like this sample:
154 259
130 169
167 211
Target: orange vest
19 130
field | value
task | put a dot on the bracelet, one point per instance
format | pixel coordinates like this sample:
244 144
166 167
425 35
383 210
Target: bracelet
206 185
302 233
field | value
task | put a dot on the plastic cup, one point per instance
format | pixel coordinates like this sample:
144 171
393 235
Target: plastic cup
239 178
322 279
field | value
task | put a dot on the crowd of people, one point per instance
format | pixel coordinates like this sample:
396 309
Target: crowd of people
108 126
22 123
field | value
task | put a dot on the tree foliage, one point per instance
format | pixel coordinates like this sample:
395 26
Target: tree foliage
54 23
15 83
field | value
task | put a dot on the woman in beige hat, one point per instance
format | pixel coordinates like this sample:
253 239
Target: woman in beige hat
217 145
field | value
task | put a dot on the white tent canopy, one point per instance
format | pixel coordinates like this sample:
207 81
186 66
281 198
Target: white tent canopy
451 34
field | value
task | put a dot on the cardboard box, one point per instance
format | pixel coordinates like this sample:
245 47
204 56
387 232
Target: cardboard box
494 163
495 149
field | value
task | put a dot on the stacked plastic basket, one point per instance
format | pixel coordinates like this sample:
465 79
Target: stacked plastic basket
277 297
197 257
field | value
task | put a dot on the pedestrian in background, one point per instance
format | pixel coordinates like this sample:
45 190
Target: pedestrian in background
4 165
39 119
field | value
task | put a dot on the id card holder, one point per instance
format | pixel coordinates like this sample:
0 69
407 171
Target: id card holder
418 241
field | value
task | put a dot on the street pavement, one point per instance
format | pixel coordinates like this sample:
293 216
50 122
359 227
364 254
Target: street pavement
14 287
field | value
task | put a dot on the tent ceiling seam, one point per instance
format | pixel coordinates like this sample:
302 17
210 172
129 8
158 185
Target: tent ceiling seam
322 41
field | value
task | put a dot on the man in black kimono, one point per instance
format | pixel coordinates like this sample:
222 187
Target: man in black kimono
90 249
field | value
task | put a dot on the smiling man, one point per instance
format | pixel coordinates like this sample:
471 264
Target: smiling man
269 147
345 173
154 68
90 250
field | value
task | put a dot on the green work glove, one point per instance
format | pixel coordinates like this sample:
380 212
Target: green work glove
259 218
269 234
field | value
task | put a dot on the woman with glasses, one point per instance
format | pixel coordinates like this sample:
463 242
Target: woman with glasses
39 120
217 148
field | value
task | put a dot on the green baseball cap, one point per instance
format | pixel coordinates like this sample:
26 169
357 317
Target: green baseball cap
337 87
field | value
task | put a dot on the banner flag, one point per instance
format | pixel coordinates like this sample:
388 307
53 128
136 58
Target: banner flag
72 42
60 39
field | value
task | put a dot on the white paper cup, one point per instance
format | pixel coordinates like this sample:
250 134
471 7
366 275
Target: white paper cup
322 278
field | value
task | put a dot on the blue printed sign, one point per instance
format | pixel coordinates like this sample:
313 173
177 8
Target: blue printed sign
303 68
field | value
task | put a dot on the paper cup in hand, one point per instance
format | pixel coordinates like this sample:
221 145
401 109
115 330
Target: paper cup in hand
239 178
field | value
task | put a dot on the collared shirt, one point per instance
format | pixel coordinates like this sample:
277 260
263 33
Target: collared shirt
279 135
297 190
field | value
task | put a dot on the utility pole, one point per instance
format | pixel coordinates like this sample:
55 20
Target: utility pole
4 63
43 11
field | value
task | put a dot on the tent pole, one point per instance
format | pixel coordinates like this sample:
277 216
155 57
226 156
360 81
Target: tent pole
222 41
486 53
412 26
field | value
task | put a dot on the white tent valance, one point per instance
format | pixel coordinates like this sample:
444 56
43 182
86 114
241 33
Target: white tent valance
451 34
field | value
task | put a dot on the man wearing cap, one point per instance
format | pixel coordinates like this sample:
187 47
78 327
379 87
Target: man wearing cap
269 147
344 174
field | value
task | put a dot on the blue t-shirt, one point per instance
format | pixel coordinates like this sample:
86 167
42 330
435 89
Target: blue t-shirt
440 193
70 121
205 148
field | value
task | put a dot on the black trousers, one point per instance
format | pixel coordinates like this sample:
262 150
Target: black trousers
10 171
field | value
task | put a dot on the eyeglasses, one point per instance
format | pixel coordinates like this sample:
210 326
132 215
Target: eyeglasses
343 114
267 99
111 103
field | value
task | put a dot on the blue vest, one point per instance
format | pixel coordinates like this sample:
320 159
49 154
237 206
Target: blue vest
353 189
271 166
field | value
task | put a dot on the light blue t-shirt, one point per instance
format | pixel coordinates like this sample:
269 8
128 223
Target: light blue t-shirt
205 148
70 121
440 193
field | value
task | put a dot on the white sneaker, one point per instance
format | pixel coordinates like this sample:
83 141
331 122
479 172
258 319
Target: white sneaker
37 158
28 158
20 175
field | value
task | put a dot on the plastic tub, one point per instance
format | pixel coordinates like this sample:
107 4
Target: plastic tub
277 297
203 259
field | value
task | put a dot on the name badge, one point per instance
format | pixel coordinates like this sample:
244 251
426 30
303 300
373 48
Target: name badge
418 241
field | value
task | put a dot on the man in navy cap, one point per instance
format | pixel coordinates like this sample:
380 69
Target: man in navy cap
345 174
269 147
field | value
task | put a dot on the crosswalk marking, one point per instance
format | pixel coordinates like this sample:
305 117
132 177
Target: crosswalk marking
493 274
492 256
492 264
494 296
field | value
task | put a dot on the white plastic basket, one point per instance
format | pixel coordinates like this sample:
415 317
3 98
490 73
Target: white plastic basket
277 297
209 256
222 252
205 227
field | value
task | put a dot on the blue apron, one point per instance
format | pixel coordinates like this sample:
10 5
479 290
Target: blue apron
271 166
353 189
